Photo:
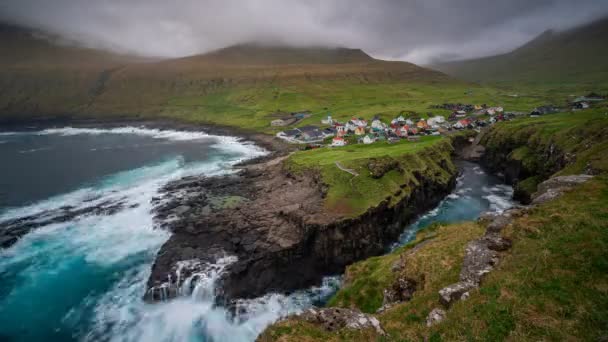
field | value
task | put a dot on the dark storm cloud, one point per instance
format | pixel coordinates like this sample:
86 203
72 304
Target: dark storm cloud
418 31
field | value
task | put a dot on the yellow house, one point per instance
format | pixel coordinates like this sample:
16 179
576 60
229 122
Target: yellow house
360 130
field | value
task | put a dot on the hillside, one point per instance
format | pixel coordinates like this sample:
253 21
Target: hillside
255 54
237 86
24 48
579 55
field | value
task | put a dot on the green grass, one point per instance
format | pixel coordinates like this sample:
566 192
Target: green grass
351 195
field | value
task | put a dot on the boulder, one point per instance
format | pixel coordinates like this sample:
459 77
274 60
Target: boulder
333 319
479 260
435 316
455 292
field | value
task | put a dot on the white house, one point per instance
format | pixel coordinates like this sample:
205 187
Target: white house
436 120
409 122
494 110
369 139
338 141
328 121
377 124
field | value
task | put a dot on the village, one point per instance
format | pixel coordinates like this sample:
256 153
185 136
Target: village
358 130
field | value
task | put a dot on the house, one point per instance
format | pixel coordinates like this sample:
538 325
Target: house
592 97
409 122
290 135
329 132
340 129
464 123
412 131
494 110
422 125
402 131
328 121
378 125
360 130
338 141
542 110
461 113
311 133
581 105
369 139
436 120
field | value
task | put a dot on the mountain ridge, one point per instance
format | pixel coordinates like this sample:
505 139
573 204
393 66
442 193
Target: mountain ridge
576 55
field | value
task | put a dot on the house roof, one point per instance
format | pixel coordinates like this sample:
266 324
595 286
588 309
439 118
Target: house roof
292 132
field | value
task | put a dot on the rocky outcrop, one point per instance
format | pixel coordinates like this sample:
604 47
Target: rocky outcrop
333 319
482 255
276 225
554 187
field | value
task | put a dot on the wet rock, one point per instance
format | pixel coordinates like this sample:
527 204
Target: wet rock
333 319
435 316
182 209
7 241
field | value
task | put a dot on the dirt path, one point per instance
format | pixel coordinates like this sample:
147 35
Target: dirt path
352 172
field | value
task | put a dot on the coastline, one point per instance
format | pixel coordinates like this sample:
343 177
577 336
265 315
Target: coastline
276 147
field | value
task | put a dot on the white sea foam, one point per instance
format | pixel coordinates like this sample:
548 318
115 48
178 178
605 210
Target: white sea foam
106 241
149 132
35 150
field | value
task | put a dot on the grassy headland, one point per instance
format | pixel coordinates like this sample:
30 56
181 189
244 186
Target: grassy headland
375 172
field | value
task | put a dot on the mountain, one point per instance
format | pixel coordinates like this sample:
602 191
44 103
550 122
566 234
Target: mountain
238 85
256 54
23 47
578 55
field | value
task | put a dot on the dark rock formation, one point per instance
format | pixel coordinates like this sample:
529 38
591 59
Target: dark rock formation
13 229
275 224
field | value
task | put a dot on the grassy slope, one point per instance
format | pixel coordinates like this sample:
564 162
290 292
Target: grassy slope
39 79
352 195
552 285
563 61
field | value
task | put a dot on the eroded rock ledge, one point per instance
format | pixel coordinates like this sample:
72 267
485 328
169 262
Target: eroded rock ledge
276 225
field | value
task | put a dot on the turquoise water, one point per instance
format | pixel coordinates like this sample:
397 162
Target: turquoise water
83 280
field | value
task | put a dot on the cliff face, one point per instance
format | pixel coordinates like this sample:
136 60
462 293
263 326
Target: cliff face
526 152
277 226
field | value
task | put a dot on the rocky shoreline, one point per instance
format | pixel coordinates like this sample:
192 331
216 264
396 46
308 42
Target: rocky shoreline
270 223
276 226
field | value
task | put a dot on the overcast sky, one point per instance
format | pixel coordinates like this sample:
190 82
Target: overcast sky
417 31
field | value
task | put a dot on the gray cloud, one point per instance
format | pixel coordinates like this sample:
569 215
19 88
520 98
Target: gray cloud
417 31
